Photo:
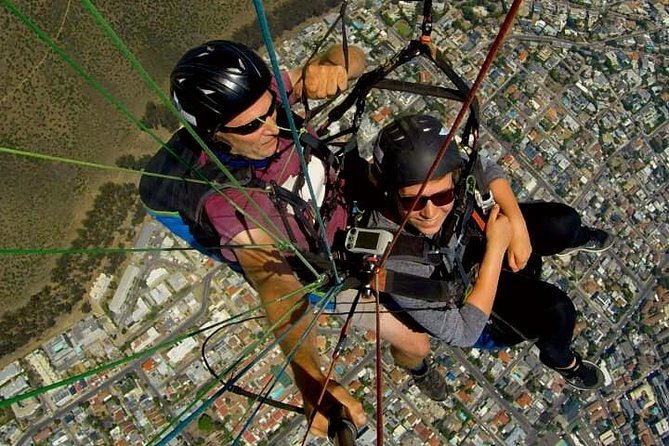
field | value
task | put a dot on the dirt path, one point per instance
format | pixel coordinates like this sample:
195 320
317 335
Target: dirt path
46 55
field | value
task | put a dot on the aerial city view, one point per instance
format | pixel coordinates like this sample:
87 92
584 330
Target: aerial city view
120 333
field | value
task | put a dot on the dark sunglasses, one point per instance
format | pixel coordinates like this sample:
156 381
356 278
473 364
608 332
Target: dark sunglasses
254 125
439 199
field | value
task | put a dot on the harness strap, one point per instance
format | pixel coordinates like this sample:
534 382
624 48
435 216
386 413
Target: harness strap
280 206
422 89
478 174
314 145
377 76
421 288
344 36
301 209
472 123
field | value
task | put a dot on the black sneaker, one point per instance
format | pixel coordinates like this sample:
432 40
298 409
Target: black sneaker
599 241
584 376
431 384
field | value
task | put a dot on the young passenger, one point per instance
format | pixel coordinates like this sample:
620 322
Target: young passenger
508 303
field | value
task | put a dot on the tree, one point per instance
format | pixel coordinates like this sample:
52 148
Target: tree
158 115
468 13
207 424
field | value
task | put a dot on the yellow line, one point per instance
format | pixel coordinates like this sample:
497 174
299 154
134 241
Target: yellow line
36 67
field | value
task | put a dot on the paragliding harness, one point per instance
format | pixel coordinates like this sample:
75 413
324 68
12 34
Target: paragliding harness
473 198
180 205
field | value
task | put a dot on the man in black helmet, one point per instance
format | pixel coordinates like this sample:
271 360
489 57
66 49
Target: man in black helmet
507 302
225 91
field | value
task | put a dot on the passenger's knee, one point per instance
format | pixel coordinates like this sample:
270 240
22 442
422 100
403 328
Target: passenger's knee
416 345
563 309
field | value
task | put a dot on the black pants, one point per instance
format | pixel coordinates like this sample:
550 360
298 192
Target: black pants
526 307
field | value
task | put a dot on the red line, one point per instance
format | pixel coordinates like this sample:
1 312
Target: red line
379 369
508 21
479 220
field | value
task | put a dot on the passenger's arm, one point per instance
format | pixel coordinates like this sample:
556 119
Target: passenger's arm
520 246
461 327
326 74
498 235
272 277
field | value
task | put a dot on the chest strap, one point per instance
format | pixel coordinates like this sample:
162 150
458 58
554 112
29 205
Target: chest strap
422 288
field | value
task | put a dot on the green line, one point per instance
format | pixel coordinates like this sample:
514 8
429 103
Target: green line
136 64
121 108
104 367
41 156
283 246
98 87
148 352
204 391
231 178
103 251
332 292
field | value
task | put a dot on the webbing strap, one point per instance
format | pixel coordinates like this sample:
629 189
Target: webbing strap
422 89
377 79
472 123
301 209
422 288
344 36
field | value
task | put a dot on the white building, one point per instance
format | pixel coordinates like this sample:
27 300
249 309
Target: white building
141 310
177 281
100 286
145 340
155 276
178 353
159 294
127 281
10 372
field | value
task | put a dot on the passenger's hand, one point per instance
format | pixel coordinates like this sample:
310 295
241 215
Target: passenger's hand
498 230
335 396
520 247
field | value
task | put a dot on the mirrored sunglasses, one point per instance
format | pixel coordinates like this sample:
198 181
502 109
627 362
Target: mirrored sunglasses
439 199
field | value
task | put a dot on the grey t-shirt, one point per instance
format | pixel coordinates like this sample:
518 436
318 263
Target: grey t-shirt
460 327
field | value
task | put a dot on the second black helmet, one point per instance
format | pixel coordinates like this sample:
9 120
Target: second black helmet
406 148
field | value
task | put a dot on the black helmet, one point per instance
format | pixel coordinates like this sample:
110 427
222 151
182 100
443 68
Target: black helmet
216 81
406 148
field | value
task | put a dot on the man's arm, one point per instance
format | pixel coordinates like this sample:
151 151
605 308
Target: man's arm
326 75
520 246
273 279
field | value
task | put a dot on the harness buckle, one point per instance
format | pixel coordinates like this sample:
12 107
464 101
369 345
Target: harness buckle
484 202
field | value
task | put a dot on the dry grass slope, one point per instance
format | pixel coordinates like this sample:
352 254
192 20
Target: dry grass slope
47 108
